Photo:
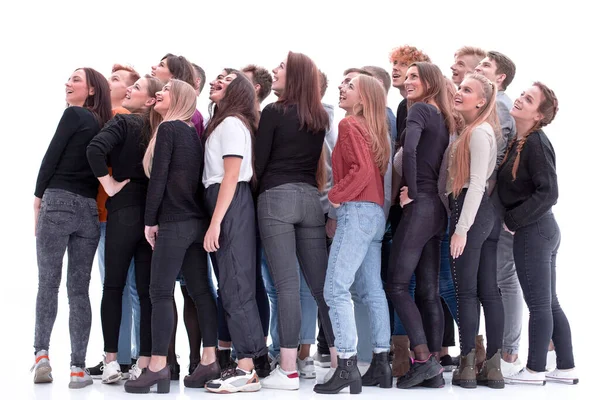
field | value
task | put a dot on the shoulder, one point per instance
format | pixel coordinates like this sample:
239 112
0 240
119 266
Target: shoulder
422 109
231 123
483 134
272 109
485 129
538 141
76 112
172 127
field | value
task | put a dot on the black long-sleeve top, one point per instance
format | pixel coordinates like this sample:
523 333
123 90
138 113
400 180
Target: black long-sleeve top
284 151
423 148
401 115
122 143
65 165
535 190
173 191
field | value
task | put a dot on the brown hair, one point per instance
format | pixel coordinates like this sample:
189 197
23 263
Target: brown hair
460 168
262 77
436 91
180 68
133 74
151 118
381 74
200 74
99 102
408 54
323 82
548 108
358 71
504 65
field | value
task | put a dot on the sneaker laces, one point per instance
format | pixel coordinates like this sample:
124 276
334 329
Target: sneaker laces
228 373
134 371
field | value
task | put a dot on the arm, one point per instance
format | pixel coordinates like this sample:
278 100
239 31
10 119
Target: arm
66 128
540 164
415 124
264 139
356 152
163 151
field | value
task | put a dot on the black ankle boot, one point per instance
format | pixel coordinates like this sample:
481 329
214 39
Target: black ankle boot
225 360
379 372
346 374
175 371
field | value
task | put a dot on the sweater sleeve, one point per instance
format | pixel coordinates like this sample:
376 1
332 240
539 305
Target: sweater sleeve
163 151
540 164
66 128
112 134
480 148
415 124
356 153
264 139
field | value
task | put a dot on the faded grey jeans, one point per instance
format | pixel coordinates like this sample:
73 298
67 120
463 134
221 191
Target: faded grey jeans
67 222
512 295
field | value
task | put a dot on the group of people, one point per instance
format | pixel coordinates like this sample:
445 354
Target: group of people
419 217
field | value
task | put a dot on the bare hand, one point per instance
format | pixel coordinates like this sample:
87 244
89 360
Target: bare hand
335 205
151 233
457 245
404 199
330 227
37 205
507 230
111 186
211 239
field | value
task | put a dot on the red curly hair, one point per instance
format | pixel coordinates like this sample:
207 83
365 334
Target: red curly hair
408 54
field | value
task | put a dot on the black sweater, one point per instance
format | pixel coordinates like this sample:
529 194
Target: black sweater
285 152
535 190
173 191
65 165
423 148
122 142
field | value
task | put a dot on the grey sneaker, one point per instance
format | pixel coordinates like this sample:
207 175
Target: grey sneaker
321 360
42 371
306 368
79 378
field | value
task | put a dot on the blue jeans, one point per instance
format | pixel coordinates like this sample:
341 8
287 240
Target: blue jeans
129 333
355 258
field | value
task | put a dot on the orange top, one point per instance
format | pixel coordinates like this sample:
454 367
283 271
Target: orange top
102 196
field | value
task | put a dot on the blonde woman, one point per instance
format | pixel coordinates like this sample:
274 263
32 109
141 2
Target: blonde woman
359 162
173 162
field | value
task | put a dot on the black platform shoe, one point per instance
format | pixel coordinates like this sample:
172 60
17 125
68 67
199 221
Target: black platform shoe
148 379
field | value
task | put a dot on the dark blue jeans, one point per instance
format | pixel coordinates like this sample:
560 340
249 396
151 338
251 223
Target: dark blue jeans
535 248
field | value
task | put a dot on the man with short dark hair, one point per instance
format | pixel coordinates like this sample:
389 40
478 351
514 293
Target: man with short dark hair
261 79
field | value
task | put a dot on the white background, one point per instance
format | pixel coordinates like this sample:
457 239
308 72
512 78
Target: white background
41 43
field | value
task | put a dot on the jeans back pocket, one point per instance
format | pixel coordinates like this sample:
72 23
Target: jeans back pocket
281 204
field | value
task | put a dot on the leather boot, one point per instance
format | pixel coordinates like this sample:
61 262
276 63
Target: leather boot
162 380
464 376
479 352
379 372
401 361
491 374
346 374
202 374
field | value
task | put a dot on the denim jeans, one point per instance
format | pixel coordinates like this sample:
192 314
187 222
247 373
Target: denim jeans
292 228
512 295
66 222
474 273
355 258
416 249
535 248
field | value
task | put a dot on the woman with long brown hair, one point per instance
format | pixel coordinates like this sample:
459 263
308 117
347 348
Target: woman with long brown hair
416 243
289 144
66 219
359 162
528 188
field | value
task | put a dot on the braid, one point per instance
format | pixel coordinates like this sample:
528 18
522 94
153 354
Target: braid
520 146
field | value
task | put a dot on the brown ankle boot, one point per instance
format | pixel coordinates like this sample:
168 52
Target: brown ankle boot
401 361
491 374
465 376
479 352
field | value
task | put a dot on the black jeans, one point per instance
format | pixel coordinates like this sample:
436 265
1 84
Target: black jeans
179 246
475 277
416 249
535 248
125 240
292 227
236 264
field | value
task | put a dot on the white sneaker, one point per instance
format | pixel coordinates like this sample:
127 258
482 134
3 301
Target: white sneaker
306 368
510 369
280 380
526 377
551 360
79 378
568 376
234 380
328 375
135 371
42 371
111 372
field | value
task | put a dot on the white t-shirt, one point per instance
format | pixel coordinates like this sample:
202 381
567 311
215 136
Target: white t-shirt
230 138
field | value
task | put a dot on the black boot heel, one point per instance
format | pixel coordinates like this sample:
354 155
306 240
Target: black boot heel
163 386
355 387
379 372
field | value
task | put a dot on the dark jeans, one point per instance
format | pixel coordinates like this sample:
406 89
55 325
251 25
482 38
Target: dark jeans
125 240
475 277
416 249
67 221
179 246
292 226
535 248
235 264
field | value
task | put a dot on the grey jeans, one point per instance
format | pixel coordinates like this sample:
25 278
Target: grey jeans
512 295
67 221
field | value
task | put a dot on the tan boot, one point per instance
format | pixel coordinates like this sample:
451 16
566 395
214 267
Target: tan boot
491 374
479 352
464 376
401 361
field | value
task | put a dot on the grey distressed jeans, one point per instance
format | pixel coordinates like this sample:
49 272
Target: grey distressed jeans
512 295
67 221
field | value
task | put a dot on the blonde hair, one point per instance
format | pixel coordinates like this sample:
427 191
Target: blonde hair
372 107
182 108
461 166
